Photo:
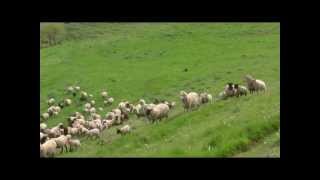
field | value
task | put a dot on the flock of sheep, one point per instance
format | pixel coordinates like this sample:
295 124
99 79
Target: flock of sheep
91 124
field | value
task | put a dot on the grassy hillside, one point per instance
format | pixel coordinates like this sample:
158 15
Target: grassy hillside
146 60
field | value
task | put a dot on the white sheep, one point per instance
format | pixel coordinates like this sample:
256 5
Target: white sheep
43 126
51 101
67 102
74 143
190 100
94 132
48 149
138 110
73 130
240 90
77 88
205 98
83 95
104 94
63 141
124 130
100 109
45 116
158 112
92 102
87 106
92 110
255 84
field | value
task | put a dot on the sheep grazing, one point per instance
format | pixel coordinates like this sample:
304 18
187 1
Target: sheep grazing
117 115
240 90
222 95
125 107
43 126
205 98
138 110
48 149
63 141
255 84
190 100
74 143
104 94
45 116
71 90
84 130
67 102
94 133
83 96
110 115
51 101
77 88
87 106
92 102
55 131
92 110
110 100
73 131
100 109
43 137
124 130
158 112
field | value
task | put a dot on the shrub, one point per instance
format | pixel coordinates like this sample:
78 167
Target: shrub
51 34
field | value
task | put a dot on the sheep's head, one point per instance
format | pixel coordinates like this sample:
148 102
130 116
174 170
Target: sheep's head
148 111
118 131
236 86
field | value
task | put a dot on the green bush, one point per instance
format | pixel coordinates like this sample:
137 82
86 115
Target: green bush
51 34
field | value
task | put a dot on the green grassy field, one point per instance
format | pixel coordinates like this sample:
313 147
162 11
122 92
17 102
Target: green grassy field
146 60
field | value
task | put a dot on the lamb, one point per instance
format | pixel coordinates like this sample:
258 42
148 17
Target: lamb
190 100
48 149
240 90
51 101
74 143
158 112
124 130
255 84
63 142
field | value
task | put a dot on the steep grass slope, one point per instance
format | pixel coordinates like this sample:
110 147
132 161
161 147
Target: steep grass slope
146 60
